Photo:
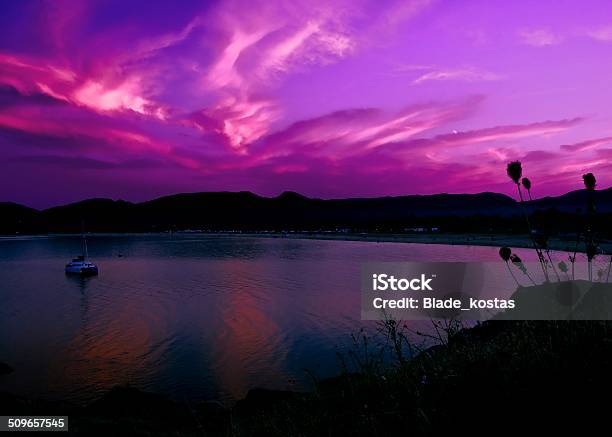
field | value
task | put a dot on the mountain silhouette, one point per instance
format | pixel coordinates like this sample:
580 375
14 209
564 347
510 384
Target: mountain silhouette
484 212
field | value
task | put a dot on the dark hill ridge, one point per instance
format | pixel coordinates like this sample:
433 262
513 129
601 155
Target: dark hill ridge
291 211
574 200
13 215
10 209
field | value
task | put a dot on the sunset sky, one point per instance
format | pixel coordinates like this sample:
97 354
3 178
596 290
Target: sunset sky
139 99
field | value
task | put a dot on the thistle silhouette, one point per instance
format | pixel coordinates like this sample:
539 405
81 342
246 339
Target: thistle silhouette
591 251
572 260
591 248
527 184
505 253
589 181
542 242
515 172
518 262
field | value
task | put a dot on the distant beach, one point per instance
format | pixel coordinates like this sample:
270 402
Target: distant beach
495 240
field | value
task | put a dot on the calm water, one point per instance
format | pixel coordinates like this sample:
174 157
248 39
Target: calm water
193 317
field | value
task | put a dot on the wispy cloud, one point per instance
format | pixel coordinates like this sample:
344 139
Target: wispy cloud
601 34
587 145
539 37
466 74
264 46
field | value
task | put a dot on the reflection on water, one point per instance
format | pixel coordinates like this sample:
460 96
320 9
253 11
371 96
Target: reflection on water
194 317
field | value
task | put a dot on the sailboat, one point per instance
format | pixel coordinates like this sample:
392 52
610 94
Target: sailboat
80 265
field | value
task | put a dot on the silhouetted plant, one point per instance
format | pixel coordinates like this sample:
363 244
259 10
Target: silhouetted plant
527 184
542 242
518 262
572 258
515 171
589 181
591 249
505 253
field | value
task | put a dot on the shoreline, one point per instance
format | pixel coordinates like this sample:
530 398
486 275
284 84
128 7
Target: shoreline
493 240
489 240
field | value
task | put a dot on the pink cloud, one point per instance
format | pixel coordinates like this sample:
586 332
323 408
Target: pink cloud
539 37
355 131
258 50
586 145
126 96
601 33
468 74
253 48
91 132
243 121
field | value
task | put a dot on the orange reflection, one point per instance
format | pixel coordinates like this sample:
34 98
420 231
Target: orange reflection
248 340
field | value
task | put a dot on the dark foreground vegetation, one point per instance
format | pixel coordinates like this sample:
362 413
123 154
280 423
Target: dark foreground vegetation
245 211
498 376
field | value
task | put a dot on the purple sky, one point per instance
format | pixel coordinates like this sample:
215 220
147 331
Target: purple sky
138 99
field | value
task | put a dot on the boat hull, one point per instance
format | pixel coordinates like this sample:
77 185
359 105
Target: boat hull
82 270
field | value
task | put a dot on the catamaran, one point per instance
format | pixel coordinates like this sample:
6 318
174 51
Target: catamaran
80 265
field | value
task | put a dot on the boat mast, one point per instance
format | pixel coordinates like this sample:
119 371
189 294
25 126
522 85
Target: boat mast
84 240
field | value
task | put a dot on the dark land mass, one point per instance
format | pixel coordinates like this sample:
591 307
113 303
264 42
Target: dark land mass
247 212
496 377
